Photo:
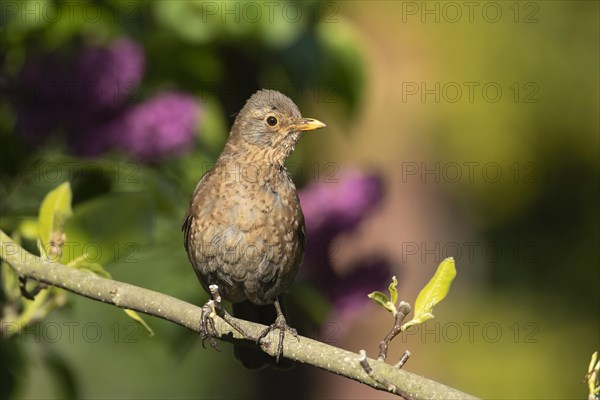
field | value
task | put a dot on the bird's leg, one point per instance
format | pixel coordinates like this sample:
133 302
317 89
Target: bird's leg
207 324
209 310
281 324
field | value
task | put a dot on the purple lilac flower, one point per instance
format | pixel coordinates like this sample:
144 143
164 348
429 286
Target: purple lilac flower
159 127
82 95
108 75
331 210
86 96
51 88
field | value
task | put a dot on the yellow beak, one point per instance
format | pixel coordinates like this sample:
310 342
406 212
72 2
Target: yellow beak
309 124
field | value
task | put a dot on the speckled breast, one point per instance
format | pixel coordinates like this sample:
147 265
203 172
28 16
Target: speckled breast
247 236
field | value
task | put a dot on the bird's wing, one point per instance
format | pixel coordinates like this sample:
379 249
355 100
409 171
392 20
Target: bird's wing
187 222
302 230
302 236
187 225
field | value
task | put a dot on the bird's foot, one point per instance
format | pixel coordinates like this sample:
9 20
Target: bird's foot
281 324
220 311
211 309
207 324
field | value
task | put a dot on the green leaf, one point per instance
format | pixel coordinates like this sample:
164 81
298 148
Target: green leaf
136 317
592 376
383 301
393 290
54 211
81 263
433 293
41 249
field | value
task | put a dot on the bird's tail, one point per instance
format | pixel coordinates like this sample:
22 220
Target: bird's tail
250 354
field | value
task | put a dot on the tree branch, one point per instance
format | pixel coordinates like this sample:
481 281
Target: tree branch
304 350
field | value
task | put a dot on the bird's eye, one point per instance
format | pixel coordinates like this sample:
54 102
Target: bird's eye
272 121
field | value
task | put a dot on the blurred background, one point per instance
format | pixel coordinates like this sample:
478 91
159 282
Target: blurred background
464 129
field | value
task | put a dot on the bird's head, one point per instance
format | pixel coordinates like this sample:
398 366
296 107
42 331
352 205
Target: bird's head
268 126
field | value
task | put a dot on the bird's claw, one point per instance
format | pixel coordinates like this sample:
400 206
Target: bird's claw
213 308
281 324
207 324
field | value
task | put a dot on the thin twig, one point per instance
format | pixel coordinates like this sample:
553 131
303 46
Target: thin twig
403 360
403 310
30 295
390 387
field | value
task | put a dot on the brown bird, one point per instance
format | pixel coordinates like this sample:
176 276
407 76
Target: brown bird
244 229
